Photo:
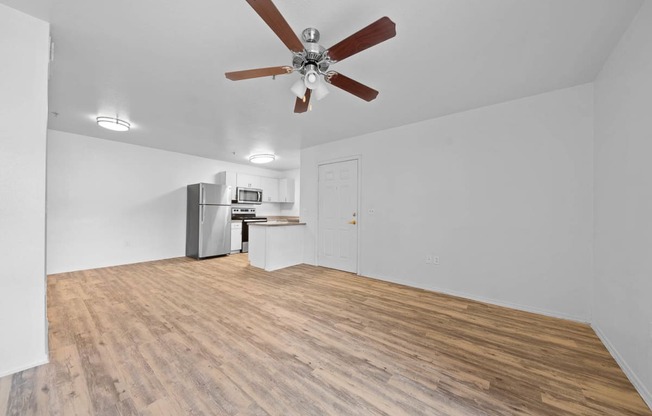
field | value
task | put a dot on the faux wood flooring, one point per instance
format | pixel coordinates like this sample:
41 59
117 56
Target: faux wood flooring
217 337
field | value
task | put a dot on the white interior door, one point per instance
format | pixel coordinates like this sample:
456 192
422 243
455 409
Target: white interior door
338 216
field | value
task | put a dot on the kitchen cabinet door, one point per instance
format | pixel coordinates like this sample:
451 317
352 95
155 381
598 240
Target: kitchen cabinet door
286 190
236 236
270 189
248 181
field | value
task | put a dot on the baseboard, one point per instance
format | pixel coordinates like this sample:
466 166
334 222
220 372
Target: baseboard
516 306
18 369
524 308
631 375
55 271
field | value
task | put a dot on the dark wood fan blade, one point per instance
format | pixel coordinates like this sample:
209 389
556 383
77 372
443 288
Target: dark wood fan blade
257 73
301 106
352 86
377 32
275 20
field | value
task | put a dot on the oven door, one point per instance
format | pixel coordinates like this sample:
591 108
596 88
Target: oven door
245 232
249 195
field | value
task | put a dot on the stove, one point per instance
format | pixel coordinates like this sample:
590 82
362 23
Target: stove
247 216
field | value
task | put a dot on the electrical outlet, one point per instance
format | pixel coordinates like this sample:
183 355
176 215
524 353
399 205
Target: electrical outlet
429 259
435 260
371 211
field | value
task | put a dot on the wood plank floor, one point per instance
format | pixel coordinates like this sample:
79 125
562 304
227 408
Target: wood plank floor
217 337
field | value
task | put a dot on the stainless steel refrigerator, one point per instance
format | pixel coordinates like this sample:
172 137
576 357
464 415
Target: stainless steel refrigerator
208 224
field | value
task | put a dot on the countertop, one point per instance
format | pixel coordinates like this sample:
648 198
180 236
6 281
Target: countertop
275 224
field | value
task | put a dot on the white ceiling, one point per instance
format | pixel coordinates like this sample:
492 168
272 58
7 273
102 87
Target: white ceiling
160 64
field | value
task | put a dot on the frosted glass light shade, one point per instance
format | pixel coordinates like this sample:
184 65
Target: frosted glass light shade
262 158
114 124
298 88
321 91
311 79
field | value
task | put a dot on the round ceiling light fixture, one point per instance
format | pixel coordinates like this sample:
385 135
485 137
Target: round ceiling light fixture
114 124
262 158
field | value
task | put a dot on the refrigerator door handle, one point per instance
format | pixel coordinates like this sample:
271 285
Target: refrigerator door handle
203 208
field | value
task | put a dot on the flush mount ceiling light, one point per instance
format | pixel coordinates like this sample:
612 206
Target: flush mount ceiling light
262 158
114 124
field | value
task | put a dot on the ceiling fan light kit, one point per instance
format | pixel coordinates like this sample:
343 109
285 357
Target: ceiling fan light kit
312 60
113 123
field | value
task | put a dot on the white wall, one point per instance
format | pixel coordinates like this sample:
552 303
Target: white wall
292 210
113 203
622 303
24 49
502 194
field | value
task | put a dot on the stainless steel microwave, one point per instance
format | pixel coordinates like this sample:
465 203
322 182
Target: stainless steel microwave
248 196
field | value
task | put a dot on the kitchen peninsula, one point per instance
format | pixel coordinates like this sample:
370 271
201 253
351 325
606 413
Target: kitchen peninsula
275 245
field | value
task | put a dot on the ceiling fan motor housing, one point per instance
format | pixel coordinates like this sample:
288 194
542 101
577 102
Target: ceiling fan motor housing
313 56
310 35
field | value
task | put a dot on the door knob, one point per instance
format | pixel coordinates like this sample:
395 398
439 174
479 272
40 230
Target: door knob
352 222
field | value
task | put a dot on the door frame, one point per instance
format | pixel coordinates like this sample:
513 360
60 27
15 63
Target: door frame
357 158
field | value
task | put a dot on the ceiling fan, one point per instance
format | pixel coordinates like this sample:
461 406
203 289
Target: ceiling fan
312 60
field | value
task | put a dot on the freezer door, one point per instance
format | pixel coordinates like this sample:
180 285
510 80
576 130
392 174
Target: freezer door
214 194
214 230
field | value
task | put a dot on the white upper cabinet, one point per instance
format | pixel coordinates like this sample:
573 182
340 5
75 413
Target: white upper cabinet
274 190
270 189
286 190
248 181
